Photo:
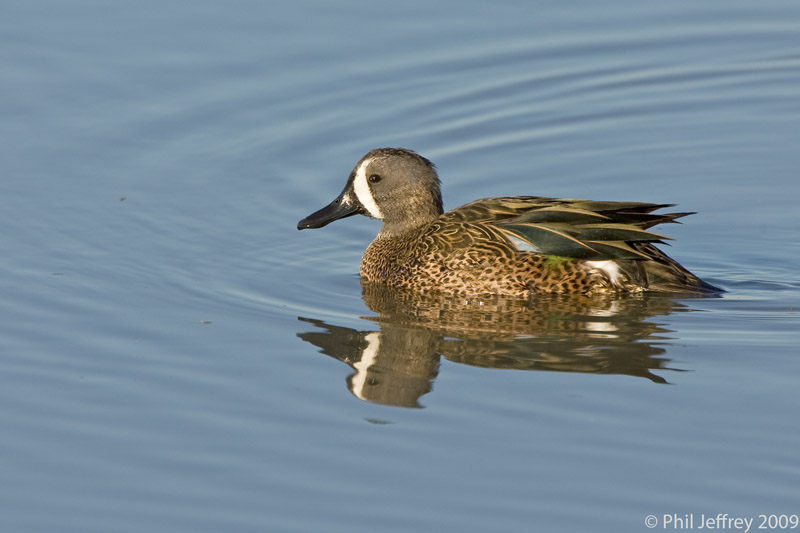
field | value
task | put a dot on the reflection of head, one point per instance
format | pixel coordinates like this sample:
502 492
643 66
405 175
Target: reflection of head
392 377
394 366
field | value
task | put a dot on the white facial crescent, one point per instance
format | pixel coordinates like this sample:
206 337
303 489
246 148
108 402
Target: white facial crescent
363 192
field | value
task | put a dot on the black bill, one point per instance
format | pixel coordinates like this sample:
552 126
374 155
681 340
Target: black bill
341 207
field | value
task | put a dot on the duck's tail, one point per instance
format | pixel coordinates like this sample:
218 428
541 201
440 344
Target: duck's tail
660 273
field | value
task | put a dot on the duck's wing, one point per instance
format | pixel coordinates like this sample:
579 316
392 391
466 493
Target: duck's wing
496 209
578 229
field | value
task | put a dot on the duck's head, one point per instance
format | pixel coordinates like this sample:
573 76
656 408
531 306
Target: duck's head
395 185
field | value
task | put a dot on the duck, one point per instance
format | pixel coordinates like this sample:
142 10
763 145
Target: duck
517 246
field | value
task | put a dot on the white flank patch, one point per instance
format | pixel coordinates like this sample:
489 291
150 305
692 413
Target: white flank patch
522 246
368 358
363 192
609 267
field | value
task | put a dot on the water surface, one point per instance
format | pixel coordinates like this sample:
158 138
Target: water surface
175 356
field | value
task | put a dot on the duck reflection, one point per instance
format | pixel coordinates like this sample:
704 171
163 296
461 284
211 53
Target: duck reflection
396 365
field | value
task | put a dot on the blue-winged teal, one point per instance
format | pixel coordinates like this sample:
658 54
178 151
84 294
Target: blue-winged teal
515 246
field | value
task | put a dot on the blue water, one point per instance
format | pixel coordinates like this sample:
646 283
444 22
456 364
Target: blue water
175 356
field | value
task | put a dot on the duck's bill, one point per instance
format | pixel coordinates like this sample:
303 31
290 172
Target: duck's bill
341 207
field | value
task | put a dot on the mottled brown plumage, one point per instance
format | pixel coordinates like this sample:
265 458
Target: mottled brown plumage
514 246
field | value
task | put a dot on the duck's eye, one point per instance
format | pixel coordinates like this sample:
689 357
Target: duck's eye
374 178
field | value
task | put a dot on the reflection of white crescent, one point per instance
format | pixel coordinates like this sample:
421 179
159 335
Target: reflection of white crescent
368 357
